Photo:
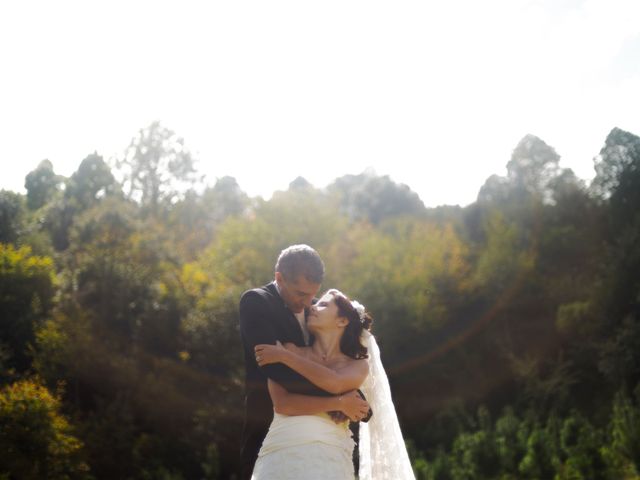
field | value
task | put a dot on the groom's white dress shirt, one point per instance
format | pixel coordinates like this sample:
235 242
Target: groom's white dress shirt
301 319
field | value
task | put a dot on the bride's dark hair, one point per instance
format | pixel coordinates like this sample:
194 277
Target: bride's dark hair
350 343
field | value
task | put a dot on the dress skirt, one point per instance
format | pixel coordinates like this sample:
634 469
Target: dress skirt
305 447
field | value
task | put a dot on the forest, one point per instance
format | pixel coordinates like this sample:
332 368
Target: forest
510 328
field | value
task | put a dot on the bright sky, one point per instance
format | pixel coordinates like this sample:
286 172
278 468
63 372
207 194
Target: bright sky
435 94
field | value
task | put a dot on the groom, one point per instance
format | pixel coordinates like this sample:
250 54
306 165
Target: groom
277 312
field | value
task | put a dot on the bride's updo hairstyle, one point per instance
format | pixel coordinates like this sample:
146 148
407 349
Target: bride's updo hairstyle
350 343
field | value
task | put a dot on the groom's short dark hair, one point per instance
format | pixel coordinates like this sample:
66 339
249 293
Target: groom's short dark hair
299 260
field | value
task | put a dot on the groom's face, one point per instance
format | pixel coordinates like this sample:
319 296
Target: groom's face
297 293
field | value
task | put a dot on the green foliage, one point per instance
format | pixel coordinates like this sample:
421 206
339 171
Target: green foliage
438 469
36 441
580 446
474 456
623 453
11 216
526 301
537 460
85 188
7 373
27 287
111 280
409 269
118 275
510 433
617 169
517 448
373 198
65 349
41 184
155 166
211 462
503 262
532 168
195 219
573 318
620 354
92 181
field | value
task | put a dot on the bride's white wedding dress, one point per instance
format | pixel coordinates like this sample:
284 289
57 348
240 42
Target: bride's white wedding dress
313 447
305 447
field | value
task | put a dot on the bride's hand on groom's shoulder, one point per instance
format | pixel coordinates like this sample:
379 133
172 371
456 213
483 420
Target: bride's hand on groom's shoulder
267 354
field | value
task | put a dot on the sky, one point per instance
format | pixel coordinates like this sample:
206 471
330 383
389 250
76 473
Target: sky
434 94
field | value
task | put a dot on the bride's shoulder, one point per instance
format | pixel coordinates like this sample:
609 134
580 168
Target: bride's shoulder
361 364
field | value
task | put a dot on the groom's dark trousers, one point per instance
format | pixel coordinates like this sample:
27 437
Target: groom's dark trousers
264 318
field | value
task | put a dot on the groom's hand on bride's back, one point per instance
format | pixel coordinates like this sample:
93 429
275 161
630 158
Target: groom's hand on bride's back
353 406
338 417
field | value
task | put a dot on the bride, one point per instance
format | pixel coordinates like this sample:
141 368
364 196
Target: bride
344 357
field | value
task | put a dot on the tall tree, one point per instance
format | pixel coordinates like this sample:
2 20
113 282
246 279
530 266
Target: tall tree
155 166
618 157
11 216
41 184
26 297
374 198
618 177
92 180
84 189
36 441
617 298
533 166
194 220
225 199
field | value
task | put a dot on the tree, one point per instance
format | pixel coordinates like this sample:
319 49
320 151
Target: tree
616 302
26 297
36 441
624 451
41 184
617 181
496 190
92 180
534 179
194 220
532 167
373 198
11 216
155 165
300 183
617 164
474 454
580 450
113 271
86 187
224 199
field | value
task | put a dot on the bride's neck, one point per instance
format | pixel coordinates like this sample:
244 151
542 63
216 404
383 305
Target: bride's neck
326 345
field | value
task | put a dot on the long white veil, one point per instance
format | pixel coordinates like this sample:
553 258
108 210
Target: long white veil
383 455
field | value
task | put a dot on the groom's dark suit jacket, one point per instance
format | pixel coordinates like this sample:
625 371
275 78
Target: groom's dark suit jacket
264 318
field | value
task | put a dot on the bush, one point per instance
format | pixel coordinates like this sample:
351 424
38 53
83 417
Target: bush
36 441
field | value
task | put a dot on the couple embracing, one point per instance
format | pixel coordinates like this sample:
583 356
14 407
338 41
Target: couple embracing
312 371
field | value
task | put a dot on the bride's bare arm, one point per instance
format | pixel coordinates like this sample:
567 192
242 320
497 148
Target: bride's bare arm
287 403
350 377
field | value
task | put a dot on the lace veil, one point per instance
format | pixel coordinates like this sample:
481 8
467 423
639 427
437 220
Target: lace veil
383 455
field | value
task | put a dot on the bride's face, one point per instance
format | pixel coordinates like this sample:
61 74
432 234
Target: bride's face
324 315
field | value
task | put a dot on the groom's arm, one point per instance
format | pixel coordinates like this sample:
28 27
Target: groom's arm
351 405
333 381
255 329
